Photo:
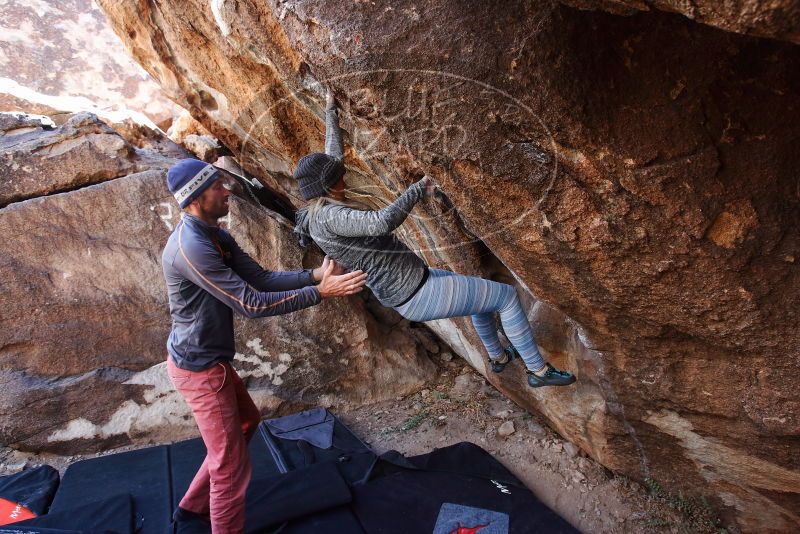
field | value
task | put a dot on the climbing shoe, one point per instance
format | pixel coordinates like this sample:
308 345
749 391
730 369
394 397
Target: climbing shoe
499 365
551 377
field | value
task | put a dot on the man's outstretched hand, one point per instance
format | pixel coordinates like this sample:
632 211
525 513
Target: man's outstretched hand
336 282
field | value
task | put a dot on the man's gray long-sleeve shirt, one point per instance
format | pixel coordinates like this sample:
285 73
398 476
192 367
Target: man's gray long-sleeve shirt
364 240
208 277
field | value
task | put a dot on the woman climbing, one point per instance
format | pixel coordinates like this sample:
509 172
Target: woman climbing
364 240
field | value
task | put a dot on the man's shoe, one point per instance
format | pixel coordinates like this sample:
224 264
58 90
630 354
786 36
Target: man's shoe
551 377
498 366
182 515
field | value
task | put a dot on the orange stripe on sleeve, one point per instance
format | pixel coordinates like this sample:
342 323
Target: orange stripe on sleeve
210 283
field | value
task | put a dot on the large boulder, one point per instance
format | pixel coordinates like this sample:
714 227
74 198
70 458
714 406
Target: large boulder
37 158
85 316
636 174
41 156
133 126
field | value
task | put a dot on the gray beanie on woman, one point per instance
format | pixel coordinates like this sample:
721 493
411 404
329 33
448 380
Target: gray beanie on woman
317 174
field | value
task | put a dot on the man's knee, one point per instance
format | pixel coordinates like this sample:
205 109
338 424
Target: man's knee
233 466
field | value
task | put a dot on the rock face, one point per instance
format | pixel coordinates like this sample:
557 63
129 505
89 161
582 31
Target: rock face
37 158
636 174
778 19
65 48
190 134
144 136
85 317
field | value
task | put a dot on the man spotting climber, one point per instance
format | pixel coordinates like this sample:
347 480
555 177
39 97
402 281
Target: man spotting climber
208 277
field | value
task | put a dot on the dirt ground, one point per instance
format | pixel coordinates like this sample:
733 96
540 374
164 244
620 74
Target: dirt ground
461 406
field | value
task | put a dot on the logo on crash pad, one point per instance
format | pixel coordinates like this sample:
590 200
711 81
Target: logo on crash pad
11 512
468 530
460 519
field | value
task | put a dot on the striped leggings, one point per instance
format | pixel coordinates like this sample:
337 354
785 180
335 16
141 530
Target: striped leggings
446 294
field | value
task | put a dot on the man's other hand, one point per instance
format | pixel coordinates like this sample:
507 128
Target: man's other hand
319 271
340 285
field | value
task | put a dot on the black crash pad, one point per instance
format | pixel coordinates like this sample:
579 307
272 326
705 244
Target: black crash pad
113 514
311 475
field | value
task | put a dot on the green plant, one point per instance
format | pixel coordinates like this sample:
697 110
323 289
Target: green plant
656 522
413 421
655 488
698 514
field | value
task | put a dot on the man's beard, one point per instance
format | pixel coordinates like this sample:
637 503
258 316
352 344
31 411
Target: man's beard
220 211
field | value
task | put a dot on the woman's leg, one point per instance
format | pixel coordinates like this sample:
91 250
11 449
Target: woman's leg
448 294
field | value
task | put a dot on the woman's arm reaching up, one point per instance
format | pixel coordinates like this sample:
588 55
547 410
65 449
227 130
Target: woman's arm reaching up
349 222
333 134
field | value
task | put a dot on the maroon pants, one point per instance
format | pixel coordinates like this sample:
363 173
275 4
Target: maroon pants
227 419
